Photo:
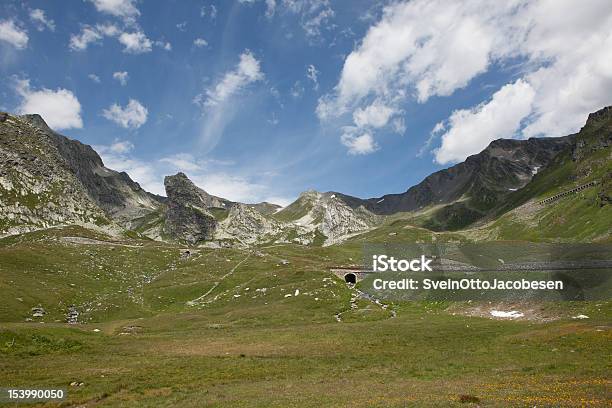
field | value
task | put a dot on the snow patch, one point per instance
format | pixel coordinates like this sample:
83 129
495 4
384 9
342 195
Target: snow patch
380 201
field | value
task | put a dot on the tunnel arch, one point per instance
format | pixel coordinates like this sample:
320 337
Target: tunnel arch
350 278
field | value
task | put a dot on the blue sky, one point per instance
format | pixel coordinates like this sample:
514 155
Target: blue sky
262 99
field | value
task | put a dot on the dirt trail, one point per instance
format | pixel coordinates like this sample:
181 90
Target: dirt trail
208 292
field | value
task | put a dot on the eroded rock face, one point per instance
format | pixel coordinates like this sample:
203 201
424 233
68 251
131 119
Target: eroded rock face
340 220
247 225
187 217
114 192
37 188
47 180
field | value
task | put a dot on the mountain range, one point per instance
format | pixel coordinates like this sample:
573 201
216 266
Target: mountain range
47 180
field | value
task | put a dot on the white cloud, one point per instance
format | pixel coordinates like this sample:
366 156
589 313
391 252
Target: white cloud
270 8
229 186
122 77
40 19
88 35
200 42
246 72
94 78
471 130
375 115
312 74
132 116
424 48
358 143
117 8
109 30
135 43
13 34
60 108
118 157
164 45
183 162
121 146
182 26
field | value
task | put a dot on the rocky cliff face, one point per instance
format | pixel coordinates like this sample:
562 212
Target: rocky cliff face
187 217
114 192
38 188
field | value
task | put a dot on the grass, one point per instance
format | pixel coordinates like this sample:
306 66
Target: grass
242 345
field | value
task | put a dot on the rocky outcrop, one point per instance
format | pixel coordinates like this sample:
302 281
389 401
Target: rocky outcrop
247 225
187 217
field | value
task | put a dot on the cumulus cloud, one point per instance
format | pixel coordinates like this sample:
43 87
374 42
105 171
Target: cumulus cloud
358 142
132 116
60 108
375 115
200 42
88 35
41 21
135 43
471 130
13 34
246 72
94 78
118 8
122 77
425 48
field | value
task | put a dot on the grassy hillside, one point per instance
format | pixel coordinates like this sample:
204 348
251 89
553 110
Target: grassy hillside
271 327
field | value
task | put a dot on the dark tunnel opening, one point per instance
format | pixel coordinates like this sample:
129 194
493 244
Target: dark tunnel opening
350 278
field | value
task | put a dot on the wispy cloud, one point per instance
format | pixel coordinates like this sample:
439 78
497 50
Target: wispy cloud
41 21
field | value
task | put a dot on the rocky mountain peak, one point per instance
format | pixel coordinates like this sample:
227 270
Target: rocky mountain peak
180 188
604 114
36 120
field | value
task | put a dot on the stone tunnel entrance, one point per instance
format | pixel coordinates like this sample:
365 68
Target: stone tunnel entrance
350 278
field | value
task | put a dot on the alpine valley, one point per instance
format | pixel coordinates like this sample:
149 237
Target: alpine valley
126 298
